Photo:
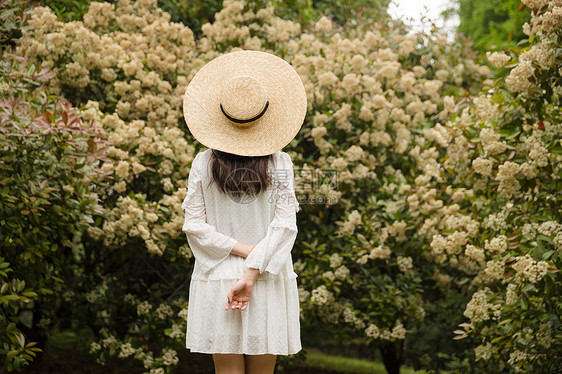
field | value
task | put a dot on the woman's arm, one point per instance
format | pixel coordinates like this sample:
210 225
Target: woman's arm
209 246
241 292
271 253
241 249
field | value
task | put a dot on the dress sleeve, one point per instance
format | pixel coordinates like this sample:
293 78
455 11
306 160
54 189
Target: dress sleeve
209 246
271 253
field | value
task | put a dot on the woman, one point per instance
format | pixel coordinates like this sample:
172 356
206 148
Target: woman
240 211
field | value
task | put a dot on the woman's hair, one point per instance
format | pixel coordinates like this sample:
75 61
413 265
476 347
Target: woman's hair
240 175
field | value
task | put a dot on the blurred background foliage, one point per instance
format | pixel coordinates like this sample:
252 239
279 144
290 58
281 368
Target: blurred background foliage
491 24
195 13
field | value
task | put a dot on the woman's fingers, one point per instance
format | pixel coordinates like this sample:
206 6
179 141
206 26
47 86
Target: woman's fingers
232 303
230 298
237 305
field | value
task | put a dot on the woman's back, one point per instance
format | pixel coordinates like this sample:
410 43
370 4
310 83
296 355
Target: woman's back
214 223
244 219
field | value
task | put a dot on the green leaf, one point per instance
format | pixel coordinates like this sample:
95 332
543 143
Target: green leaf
547 255
26 317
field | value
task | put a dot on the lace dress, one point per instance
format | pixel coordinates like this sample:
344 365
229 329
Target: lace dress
214 222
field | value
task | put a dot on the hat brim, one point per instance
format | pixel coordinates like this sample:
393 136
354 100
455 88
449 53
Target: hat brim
270 133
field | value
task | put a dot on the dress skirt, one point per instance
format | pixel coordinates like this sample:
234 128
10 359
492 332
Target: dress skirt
269 325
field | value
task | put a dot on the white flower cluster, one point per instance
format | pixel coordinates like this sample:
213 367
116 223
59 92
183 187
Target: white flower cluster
183 314
126 350
529 270
497 245
110 341
484 352
351 317
490 141
511 296
348 227
177 331
453 244
519 78
545 25
405 264
335 260
479 309
493 272
482 166
94 346
397 332
321 296
495 221
497 59
185 251
144 308
475 253
170 357
164 311
379 252
515 357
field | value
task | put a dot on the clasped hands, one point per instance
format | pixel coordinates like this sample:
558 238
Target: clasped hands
240 293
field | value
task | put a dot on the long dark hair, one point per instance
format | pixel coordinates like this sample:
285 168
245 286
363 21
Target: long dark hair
240 175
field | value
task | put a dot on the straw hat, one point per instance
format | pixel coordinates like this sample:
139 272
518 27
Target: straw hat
248 103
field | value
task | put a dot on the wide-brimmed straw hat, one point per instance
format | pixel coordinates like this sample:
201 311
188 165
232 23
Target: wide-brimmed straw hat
249 103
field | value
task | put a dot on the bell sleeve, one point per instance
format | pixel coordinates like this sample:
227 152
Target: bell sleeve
272 252
209 246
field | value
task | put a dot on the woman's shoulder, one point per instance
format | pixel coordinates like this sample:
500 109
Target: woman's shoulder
287 160
201 157
203 154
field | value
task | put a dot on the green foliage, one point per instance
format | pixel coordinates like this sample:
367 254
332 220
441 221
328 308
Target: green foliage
69 10
14 301
493 24
532 325
49 158
522 281
13 16
192 13
307 12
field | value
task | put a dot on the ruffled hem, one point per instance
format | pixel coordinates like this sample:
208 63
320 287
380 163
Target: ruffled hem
229 275
198 350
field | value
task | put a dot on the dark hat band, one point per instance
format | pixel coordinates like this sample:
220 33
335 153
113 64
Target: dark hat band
245 120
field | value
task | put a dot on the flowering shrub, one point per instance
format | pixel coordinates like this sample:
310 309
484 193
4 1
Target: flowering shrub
380 102
419 225
14 15
50 155
508 152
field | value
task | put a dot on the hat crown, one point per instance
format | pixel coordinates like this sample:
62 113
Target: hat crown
243 98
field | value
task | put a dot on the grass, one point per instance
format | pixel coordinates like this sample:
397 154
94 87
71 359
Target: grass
315 359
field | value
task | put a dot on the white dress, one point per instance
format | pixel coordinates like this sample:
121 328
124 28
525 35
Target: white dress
213 224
